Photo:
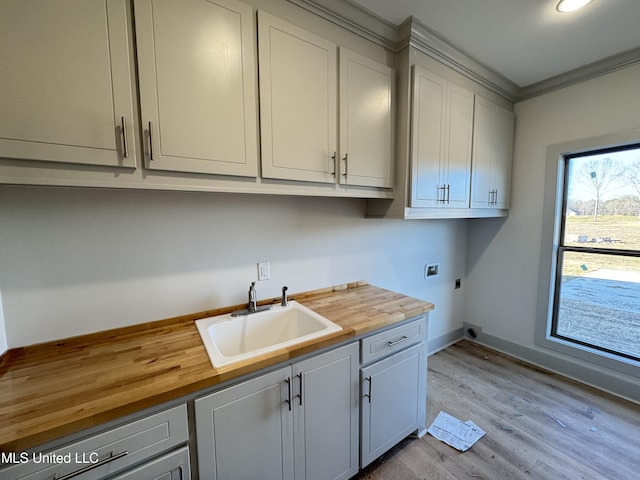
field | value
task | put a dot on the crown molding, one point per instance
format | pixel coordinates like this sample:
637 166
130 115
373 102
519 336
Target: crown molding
581 74
355 19
431 43
413 33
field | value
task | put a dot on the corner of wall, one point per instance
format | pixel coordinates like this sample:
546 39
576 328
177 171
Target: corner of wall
3 333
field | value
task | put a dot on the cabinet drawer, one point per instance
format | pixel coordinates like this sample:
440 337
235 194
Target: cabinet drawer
105 453
173 466
398 338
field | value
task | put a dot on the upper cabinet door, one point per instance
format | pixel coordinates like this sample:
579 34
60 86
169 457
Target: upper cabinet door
427 138
492 155
481 191
504 125
366 121
441 142
298 102
66 83
458 144
196 62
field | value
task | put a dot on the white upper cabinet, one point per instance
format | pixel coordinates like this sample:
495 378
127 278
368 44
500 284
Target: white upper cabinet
441 142
298 101
492 155
65 82
366 121
196 63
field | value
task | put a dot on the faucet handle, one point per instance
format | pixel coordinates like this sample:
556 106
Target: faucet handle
284 302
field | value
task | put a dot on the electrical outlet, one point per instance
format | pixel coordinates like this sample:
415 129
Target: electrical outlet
431 270
264 271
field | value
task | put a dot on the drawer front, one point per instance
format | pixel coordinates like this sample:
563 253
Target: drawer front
393 340
173 466
108 452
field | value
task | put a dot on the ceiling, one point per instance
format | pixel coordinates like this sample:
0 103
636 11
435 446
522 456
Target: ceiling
526 41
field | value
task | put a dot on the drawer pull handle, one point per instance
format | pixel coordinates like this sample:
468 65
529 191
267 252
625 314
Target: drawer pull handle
397 342
367 395
102 462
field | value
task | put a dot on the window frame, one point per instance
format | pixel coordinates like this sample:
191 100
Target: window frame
552 240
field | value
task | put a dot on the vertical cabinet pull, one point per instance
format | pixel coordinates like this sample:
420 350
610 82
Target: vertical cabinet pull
367 395
150 143
288 401
123 126
288 380
493 197
333 157
446 194
301 387
346 164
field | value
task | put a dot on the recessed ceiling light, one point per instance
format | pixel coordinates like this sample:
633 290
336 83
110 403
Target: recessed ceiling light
565 6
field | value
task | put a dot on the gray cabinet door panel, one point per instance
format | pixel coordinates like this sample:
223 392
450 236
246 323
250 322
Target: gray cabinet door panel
392 393
245 431
326 417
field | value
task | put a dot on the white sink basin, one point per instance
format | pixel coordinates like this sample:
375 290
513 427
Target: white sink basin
230 339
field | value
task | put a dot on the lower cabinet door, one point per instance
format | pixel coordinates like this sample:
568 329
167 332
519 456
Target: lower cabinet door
173 466
393 401
245 431
325 412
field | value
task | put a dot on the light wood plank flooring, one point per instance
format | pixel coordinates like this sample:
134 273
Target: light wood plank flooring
539 425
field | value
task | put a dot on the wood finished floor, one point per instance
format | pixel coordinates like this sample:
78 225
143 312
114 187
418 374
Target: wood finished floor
539 425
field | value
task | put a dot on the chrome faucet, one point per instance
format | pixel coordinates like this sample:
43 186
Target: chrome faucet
253 302
284 302
252 306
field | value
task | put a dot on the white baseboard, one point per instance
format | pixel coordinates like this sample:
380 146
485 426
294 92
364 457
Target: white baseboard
608 381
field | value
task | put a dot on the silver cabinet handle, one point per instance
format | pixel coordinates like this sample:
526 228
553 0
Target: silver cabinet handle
495 196
448 193
150 142
397 342
367 395
109 459
333 157
442 189
346 164
123 126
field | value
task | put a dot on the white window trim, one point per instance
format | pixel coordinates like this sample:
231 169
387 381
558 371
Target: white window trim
551 219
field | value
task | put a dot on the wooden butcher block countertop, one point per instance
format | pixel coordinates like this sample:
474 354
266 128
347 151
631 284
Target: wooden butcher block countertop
58 388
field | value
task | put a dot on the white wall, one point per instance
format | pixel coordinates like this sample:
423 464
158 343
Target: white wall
504 255
77 260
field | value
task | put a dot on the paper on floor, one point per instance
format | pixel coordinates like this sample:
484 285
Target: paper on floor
460 435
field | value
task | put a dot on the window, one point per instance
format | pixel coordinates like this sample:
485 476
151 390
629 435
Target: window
589 292
596 301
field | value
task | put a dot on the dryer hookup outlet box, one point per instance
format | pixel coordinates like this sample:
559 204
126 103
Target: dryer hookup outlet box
431 270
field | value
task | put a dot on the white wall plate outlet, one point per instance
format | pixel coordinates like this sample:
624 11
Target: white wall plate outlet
264 271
